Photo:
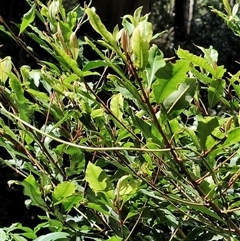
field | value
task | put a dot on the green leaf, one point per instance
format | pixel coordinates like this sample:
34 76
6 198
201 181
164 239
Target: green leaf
216 71
227 7
28 18
16 86
140 49
63 190
126 185
31 189
205 128
72 201
53 236
3 236
74 46
215 92
98 180
116 105
210 54
5 68
100 208
115 238
17 237
169 78
155 62
142 125
181 98
77 161
98 26
94 64
233 137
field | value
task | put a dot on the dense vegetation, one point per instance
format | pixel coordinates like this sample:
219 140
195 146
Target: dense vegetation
132 145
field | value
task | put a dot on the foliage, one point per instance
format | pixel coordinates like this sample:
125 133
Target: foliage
152 162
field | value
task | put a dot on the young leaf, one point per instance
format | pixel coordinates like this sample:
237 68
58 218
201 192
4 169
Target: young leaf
126 185
5 68
28 18
98 26
74 46
3 236
168 79
155 62
140 49
116 105
98 180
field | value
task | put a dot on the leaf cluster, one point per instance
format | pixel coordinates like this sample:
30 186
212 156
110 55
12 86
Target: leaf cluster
152 161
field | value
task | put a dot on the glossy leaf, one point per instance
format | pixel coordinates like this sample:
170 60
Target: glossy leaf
53 236
169 78
181 98
98 26
140 49
126 185
216 71
155 62
28 18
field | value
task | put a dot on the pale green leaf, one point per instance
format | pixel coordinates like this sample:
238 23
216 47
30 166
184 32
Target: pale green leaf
140 49
5 68
116 105
155 62
63 190
3 236
98 180
53 236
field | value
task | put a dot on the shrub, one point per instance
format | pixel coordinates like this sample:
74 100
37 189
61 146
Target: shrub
153 162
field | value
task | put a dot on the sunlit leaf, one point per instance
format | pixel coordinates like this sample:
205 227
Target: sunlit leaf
28 18
5 68
116 106
53 236
98 180
169 78
155 62
63 190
